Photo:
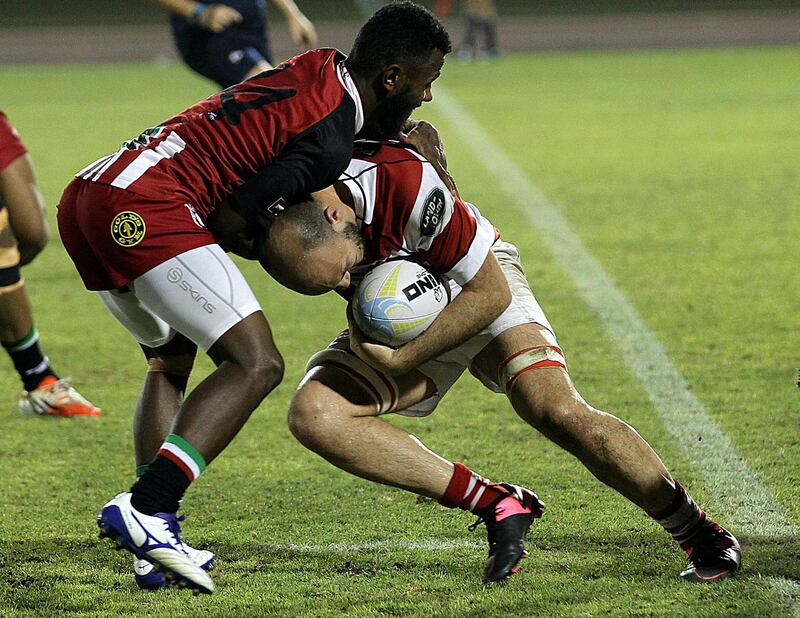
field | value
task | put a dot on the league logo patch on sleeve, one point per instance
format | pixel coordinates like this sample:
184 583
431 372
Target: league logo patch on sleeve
432 212
127 228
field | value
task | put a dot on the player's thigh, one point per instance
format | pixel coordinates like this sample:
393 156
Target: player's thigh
146 327
338 388
336 372
199 293
527 364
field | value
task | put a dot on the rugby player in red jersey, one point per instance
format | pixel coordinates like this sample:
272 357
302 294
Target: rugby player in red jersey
23 234
391 203
134 223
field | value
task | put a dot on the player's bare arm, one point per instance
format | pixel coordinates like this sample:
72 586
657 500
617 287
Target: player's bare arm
20 195
213 17
480 302
300 28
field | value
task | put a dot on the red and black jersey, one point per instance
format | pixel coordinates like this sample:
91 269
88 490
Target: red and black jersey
405 210
280 135
11 146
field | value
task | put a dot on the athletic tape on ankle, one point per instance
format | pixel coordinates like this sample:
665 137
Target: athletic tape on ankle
527 359
381 387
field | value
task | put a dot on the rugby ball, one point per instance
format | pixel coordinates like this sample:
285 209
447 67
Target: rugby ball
398 300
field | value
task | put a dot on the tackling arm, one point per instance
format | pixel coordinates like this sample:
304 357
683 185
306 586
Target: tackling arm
480 302
424 138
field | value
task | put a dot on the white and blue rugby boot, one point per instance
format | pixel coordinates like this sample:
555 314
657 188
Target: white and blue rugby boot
149 577
154 538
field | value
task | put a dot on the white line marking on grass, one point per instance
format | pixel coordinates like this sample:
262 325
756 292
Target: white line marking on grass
381 546
736 489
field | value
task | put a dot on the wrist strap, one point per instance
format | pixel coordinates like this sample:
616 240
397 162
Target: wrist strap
197 14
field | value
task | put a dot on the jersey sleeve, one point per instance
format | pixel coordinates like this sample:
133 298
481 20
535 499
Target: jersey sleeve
11 146
449 234
311 162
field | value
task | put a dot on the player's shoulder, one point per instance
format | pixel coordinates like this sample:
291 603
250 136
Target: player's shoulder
315 63
385 153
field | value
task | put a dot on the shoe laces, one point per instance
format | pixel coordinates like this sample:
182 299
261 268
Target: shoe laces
57 391
524 496
173 526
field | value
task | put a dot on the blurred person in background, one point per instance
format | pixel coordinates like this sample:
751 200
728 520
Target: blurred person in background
481 21
23 235
228 43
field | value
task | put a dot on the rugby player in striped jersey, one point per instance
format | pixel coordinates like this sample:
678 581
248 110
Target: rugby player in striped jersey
392 203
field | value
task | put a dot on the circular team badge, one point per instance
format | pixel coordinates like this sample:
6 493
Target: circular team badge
127 229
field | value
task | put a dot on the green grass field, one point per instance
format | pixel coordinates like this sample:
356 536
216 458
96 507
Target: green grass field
678 170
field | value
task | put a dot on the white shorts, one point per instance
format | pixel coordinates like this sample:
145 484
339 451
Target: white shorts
447 368
200 294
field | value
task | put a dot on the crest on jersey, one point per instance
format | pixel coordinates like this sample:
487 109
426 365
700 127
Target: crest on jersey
128 229
432 212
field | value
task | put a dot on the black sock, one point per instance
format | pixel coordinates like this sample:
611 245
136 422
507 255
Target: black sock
160 488
31 365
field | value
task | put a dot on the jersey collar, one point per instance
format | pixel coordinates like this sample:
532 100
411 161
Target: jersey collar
350 86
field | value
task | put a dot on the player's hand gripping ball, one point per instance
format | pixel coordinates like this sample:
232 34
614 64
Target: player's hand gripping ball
398 300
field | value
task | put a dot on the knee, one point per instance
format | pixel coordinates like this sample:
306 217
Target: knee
310 420
268 371
28 251
565 421
31 243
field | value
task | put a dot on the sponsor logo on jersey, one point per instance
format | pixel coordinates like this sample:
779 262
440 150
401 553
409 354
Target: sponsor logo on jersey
432 212
128 229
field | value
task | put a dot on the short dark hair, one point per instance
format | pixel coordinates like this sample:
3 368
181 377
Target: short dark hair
400 32
308 220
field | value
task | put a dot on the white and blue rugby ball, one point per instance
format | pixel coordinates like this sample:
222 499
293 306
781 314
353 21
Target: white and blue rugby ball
398 300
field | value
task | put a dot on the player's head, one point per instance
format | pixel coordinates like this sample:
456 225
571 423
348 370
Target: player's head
398 53
311 246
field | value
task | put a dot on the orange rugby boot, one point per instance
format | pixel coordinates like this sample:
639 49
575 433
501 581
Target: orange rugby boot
55 397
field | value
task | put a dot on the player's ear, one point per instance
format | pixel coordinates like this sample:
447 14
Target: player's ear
391 77
332 215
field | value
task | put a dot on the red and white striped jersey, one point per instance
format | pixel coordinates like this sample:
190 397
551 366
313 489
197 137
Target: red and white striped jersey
405 210
11 146
285 132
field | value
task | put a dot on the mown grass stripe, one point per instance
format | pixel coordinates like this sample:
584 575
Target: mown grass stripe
737 490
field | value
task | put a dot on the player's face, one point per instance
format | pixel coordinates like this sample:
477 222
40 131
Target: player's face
412 91
323 268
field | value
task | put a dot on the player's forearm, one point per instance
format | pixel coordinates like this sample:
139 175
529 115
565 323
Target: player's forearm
480 303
